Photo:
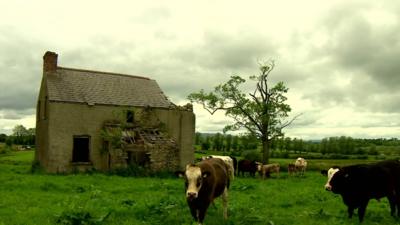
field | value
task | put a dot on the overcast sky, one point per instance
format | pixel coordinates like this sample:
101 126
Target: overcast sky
339 59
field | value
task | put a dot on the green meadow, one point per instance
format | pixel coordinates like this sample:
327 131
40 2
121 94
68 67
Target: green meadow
98 198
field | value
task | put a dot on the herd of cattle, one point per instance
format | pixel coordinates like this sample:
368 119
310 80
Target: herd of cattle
357 184
210 178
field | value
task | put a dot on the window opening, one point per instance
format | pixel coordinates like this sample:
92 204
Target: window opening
81 149
130 116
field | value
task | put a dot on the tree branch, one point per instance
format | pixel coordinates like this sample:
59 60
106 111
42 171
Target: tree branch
290 122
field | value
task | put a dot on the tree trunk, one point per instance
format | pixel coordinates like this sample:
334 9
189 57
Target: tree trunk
265 152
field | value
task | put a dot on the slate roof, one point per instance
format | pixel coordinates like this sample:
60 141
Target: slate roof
93 87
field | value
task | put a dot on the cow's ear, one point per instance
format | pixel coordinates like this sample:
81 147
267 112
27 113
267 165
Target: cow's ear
205 174
189 165
324 172
179 173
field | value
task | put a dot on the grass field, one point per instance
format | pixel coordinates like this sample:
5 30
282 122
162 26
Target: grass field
108 199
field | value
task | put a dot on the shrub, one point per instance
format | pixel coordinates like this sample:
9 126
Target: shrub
360 157
380 157
139 171
5 149
252 155
282 155
79 218
36 167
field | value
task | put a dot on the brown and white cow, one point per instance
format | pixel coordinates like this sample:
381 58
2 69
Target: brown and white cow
228 160
205 181
291 169
301 165
263 170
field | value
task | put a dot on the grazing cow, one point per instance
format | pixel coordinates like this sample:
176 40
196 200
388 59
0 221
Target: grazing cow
358 184
329 173
204 182
235 164
246 165
300 166
291 169
267 169
228 160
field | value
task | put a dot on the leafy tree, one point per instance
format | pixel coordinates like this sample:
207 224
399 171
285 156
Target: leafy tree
262 113
249 142
372 150
287 143
3 137
324 146
21 135
217 142
298 145
205 145
9 141
228 142
198 138
19 131
235 143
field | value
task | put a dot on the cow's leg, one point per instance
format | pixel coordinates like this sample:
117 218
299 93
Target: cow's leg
397 201
361 210
398 205
225 202
194 213
202 213
392 202
350 211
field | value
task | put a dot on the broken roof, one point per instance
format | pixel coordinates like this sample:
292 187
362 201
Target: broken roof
103 88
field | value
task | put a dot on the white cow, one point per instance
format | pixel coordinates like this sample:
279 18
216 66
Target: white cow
300 165
263 170
227 159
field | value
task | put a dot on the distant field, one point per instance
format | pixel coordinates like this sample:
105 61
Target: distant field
313 164
104 199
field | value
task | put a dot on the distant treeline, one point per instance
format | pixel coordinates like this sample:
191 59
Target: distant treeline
342 145
20 136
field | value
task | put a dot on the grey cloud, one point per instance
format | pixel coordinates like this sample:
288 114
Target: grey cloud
153 15
219 50
20 70
367 53
307 119
15 114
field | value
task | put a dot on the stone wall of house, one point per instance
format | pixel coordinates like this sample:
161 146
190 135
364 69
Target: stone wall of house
68 119
42 124
181 127
164 157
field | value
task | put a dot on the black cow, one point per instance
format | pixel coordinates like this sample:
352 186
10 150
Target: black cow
235 163
357 184
246 165
204 182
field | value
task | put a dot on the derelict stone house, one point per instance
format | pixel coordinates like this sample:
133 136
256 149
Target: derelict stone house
99 120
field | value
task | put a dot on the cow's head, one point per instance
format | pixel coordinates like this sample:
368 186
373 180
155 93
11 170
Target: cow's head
340 180
329 173
259 166
194 179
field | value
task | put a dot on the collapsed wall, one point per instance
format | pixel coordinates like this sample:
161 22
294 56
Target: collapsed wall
149 148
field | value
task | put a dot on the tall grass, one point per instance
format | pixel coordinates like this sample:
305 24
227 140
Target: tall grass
27 198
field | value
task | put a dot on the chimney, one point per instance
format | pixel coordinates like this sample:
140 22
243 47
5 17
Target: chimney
50 62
